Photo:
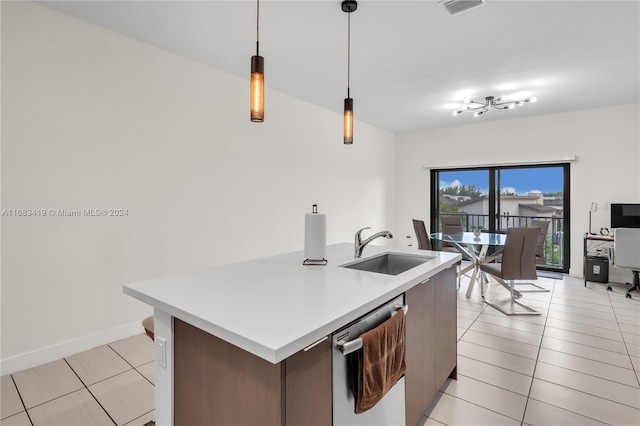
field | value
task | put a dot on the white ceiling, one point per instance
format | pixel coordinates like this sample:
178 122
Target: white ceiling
411 61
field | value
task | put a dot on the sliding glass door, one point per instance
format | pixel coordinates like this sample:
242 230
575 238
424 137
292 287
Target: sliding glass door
494 199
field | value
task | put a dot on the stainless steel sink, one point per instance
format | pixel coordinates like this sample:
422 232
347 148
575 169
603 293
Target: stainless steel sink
389 263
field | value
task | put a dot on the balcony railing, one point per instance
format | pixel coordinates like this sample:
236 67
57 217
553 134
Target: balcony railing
554 244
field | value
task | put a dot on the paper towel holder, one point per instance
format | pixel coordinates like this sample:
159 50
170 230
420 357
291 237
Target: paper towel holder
315 262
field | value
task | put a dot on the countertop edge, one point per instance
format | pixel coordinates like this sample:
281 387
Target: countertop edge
276 355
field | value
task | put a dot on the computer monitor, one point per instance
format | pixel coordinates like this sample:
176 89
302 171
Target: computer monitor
625 215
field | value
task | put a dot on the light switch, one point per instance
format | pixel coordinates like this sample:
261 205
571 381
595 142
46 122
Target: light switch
161 352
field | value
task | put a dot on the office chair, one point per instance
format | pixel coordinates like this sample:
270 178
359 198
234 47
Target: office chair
626 254
518 263
424 242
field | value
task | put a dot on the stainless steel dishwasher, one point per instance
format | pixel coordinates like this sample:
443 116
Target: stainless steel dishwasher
391 409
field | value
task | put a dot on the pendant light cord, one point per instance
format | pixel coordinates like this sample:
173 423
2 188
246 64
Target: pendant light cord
257 27
348 53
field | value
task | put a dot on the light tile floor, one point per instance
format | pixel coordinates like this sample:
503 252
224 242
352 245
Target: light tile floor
576 364
107 385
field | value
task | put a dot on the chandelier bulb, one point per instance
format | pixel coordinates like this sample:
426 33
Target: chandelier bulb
477 113
512 105
533 99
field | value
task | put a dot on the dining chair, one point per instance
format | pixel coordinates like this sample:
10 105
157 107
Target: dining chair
543 229
518 263
453 225
543 225
424 242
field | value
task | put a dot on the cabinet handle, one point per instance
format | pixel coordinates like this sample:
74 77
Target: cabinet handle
316 343
450 266
425 281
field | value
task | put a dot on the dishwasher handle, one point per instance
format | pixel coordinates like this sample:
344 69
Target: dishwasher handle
349 347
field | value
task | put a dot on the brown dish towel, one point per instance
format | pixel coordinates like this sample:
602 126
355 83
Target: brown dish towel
381 361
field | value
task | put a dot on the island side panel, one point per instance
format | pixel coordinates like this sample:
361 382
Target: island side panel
216 383
420 387
308 386
446 325
163 380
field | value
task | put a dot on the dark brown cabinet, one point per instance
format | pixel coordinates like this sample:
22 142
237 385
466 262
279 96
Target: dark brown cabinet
420 356
430 348
446 325
217 383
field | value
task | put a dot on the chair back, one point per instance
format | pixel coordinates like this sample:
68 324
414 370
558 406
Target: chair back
519 254
451 224
626 247
542 238
424 243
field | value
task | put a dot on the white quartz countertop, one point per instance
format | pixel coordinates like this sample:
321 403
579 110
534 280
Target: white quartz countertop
273 307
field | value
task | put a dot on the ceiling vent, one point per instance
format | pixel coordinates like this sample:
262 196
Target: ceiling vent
457 6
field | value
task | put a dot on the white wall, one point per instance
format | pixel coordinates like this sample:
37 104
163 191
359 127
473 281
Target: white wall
92 119
606 143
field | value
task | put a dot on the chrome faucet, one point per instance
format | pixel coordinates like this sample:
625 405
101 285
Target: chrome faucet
360 245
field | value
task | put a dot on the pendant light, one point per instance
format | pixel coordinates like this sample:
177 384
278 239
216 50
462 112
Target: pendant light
348 6
257 76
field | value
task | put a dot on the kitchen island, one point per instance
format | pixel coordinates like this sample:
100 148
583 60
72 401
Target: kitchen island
231 340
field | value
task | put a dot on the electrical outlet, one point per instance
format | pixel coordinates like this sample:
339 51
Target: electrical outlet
161 352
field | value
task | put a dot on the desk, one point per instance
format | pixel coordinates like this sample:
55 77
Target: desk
603 241
476 249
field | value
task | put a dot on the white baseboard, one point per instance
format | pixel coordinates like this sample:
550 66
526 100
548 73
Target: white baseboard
52 353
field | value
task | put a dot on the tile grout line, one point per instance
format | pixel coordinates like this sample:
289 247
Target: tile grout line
130 421
557 384
133 368
507 390
624 340
494 365
585 393
478 405
590 375
21 400
123 358
587 334
584 357
535 365
90 393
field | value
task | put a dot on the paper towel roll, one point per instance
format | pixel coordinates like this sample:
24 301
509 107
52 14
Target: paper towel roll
315 236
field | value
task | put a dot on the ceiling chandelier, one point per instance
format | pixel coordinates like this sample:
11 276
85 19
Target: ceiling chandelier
480 108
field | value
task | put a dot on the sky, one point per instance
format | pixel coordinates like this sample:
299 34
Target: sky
520 181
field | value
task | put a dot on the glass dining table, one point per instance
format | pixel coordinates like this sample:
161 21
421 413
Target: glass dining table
474 247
